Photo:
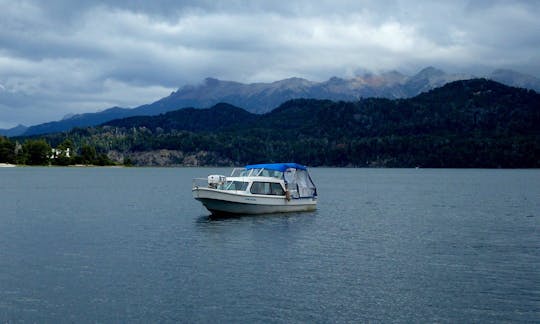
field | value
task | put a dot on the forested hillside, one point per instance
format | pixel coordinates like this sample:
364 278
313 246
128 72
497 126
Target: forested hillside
472 123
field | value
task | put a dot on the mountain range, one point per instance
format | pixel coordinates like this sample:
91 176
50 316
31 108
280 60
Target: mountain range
469 123
263 97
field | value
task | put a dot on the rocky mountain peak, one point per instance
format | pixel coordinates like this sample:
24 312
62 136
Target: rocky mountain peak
429 72
516 79
211 82
264 97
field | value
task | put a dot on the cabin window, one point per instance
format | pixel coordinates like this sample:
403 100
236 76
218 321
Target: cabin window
234 185
276 189
267 188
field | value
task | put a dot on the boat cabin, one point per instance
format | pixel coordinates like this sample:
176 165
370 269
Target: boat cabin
277 179
258 189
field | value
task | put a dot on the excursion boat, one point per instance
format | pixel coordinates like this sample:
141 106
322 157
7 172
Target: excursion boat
258 189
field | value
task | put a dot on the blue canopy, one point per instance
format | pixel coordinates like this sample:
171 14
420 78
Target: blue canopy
276 166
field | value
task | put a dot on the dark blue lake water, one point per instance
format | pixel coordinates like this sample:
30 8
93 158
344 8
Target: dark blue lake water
386 245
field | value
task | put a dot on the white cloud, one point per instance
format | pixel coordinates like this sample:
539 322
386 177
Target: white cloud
63 57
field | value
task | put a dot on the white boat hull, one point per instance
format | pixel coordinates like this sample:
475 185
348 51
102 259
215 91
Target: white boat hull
227 202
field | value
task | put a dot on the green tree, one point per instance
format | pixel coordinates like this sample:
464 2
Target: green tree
7 150
88 154
102 159
36 152
127 162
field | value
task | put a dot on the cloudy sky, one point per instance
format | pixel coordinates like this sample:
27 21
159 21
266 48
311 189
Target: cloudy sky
62 56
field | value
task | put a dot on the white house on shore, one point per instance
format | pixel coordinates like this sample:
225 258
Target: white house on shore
56 153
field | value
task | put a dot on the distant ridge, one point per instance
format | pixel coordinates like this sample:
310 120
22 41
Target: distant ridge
468 123
516 79
263 97
462 105
15 131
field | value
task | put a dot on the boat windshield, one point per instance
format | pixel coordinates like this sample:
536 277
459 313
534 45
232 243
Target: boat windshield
237 172
234 185
270 173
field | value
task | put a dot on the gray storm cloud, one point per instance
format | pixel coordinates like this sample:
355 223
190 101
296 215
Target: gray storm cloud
60 57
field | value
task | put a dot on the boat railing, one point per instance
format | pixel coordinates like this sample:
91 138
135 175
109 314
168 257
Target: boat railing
199 183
